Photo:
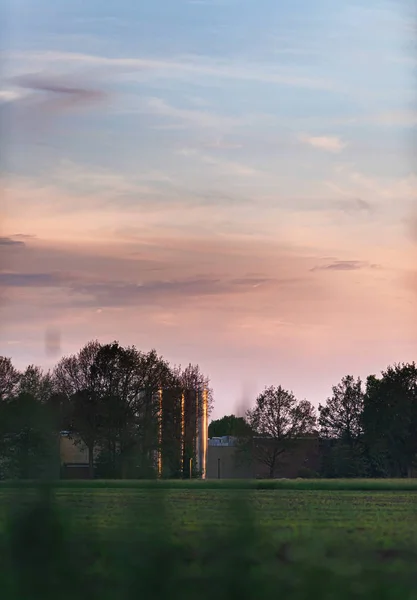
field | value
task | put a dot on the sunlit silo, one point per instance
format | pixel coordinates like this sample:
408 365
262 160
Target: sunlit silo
182 433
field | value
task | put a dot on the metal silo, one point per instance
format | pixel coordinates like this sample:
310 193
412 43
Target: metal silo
202 431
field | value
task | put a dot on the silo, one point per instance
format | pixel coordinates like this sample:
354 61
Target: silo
182 432
182 438
202 431
159 451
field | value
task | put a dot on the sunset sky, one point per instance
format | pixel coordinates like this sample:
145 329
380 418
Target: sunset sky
230 181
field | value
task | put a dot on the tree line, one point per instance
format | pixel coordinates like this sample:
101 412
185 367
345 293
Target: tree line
366 429
104 397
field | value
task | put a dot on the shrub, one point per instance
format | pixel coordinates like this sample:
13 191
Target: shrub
306 473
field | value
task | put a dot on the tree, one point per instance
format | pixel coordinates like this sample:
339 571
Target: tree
79 384
28 448
9 378
340 423
154 373
121 373
390 420
73 373
191 378
112 392
277 420
193 384
229 425
96 382
86 422
341 416
37 383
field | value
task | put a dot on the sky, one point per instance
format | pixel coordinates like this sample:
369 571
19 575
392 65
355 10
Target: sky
231 182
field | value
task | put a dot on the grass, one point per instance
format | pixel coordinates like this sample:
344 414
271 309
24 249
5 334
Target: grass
240 540
382 515
230 484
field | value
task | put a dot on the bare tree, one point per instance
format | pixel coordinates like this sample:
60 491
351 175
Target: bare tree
277 420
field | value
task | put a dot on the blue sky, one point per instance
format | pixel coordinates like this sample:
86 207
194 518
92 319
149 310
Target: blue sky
215 139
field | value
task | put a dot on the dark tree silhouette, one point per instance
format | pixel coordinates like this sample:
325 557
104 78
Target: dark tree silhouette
340 418
277 420
37 383
390 420
191 378
229 425
340 423
9 378
117 387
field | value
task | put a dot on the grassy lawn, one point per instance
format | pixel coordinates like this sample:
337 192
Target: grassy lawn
385 513
339 539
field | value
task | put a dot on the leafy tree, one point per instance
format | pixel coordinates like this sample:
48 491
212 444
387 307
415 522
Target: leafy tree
390 420
37 383
93 381
340 421
153 374
341 416
117 369
191 378
277 420
9 378
112 392
191 381
79 384
28 448
86 422
229 425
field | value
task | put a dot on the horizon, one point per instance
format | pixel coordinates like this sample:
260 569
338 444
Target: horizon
229 182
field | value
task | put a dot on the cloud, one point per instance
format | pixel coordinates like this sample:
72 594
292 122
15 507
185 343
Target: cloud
324 205
68 93
8 241
114 293
190 65
106 183
400 118
11 95
45 97
385 196
355 205
327 143
159 272
87 290
393 118
200 118
412 227
224 166
39 280
344 265
222 144
268 282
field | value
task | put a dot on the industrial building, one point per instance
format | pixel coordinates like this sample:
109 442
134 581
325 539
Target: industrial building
182 438
224 461
183 449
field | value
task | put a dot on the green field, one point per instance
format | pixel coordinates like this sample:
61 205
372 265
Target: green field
384 511
340 539
388 517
